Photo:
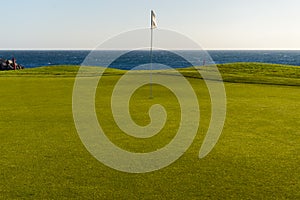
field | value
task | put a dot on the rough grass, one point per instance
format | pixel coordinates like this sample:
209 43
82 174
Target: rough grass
257 156
260 73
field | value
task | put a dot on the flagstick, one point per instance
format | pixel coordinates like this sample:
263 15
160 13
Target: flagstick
153 26
151 52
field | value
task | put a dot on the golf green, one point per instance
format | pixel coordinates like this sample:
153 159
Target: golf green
256 157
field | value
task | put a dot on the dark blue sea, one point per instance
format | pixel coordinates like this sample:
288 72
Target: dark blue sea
33 58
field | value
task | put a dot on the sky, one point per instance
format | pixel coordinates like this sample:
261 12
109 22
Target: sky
213 24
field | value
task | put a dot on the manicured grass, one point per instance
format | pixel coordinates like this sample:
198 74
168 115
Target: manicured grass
257 156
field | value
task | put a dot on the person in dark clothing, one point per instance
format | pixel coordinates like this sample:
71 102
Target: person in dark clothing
14 63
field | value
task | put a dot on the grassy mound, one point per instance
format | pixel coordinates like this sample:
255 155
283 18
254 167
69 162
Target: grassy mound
261 73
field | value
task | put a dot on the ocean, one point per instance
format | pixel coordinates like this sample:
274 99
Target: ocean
34 58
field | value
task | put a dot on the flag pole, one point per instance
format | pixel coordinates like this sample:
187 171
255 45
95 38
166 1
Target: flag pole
153 26
151 55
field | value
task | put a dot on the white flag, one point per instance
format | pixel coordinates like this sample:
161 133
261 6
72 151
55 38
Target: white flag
153 20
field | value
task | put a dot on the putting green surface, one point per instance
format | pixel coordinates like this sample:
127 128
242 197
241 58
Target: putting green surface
257 156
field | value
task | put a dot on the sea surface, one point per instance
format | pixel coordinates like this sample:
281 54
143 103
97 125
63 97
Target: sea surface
34 58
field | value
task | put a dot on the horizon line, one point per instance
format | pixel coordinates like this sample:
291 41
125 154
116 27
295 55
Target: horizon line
205 49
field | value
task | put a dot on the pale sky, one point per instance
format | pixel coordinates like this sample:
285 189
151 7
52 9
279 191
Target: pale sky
214 24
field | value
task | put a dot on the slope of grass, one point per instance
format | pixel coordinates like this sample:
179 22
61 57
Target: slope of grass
260 73
257 156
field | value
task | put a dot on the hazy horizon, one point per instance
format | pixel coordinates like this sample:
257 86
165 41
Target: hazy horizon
207 49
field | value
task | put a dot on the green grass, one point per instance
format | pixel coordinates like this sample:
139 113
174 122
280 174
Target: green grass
257 156
260 73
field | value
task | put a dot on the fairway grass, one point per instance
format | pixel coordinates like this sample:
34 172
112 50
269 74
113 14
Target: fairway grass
257 156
